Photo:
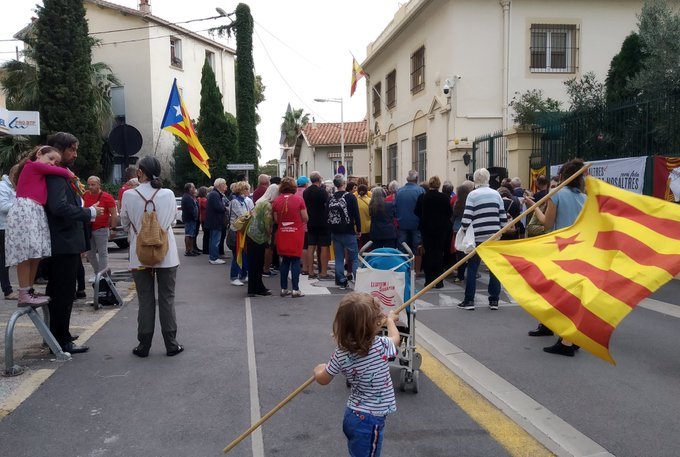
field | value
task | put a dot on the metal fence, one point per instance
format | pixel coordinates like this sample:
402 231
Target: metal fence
489 151
638 128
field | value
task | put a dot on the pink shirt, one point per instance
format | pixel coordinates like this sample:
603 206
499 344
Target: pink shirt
32 180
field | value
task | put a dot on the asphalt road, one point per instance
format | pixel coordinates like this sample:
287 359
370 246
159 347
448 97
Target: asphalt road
109 403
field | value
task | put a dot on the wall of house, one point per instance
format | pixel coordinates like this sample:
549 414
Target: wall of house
145 69
316 158
465 37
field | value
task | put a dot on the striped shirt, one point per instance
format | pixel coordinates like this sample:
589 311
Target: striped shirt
372 390
485 211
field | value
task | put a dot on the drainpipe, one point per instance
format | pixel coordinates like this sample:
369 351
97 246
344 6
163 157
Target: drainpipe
505 4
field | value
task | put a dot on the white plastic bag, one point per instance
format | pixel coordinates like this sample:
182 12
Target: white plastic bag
465 240
385 285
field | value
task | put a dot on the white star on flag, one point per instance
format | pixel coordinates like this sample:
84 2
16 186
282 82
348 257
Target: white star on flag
179 111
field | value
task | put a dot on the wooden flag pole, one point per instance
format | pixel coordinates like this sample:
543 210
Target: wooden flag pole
493 237
424 290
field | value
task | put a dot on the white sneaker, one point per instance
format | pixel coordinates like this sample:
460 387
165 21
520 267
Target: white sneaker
236 282
245 279
217 262
91 280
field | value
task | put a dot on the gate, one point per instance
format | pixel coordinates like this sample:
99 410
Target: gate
490 151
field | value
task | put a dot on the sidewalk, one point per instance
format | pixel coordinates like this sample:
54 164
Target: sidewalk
29 352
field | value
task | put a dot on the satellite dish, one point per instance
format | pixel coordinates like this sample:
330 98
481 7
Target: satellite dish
125 140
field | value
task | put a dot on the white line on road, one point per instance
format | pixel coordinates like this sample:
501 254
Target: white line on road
256 436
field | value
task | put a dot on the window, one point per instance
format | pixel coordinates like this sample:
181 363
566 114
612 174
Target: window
210 57
391 92
553 48
420 156
176 52
349 169
376 99
418 70
392 164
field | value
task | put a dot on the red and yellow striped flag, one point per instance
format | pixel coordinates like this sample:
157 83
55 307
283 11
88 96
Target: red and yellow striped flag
581 281
357 74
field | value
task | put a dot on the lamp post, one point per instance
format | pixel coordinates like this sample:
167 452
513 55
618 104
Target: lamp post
342 129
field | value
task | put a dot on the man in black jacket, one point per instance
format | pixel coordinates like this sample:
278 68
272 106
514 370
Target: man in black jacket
67 220
190 219
214 218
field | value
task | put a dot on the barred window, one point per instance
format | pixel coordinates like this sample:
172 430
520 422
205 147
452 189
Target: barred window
392 164
553 48
391 92
175 52
375 96
418 70
420 156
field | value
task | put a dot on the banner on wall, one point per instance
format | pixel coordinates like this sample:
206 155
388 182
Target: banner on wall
627 174
666 183
19 122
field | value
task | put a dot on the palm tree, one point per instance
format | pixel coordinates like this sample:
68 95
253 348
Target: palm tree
293 122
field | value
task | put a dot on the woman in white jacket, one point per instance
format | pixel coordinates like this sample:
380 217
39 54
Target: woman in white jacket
164 273
8 196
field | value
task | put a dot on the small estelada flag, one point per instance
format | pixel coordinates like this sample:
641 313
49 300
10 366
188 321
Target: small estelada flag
581 281
357 74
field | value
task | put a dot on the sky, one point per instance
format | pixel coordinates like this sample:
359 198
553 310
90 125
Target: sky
302 49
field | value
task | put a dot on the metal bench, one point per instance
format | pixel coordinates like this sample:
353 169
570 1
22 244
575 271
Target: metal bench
42 325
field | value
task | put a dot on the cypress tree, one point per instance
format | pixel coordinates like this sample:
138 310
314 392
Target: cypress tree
216 134
624 66
64 58
245 90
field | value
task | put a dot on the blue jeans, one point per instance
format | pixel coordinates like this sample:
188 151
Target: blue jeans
364 433
291 264
236 271
410 237
471 281
342 241
215 236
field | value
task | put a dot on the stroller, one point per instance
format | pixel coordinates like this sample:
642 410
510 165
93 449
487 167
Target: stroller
388 275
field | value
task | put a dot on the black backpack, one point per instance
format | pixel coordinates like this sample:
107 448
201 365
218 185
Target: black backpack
338 214
106 295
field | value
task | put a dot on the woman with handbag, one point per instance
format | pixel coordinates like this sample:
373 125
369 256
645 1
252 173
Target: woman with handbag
290 214
240 205
259 234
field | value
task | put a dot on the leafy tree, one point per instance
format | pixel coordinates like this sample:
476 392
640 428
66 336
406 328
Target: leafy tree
293 122
659 29
184 169
242 26
586 93
624 67
214 131
64 60
271 168
529 105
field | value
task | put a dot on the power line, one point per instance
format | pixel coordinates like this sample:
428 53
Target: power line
156 37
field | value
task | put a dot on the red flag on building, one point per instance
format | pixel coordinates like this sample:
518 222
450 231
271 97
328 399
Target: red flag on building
357 74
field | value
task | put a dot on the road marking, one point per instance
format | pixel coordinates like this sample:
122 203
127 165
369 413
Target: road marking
27 387
308 287
660 307
501 428
255 414
549 429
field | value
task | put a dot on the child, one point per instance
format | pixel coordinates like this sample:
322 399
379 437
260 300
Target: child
362 356
28 236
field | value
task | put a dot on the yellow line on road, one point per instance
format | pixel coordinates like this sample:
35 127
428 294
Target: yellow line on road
506 432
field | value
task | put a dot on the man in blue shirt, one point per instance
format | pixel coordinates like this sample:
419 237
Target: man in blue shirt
405 204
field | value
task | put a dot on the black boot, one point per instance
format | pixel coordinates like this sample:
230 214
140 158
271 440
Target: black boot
142 350
171 345
560 349
541 330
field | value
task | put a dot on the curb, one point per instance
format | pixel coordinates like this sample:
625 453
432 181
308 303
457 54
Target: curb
549 429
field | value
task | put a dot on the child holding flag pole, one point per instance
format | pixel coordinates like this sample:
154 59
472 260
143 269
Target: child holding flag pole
416 296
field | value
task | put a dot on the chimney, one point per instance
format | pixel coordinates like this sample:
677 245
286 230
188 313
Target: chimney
145 6
313 123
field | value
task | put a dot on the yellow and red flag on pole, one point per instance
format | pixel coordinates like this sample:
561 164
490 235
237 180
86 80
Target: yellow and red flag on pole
581 281
177 121
357 74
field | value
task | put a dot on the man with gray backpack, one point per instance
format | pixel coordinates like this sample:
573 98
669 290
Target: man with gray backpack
345 227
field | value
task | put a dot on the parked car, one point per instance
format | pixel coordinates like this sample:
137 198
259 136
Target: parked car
178 216
120 237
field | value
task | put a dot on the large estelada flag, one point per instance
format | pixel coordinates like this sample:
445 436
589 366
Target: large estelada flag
357 74
581 281
178 122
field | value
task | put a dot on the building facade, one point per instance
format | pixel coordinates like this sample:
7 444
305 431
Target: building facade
146 54
319 149
444 71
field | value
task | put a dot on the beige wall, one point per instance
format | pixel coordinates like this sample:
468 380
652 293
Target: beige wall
144 68
465 37
317 159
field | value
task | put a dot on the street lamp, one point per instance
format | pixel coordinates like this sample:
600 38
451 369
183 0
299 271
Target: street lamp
342 129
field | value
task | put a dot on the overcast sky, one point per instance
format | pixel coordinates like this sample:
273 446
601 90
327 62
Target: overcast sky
301 49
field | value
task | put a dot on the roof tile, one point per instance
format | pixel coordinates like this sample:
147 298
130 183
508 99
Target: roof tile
322 134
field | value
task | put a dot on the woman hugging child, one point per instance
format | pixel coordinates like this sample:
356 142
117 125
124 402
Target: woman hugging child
27 233
362 356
